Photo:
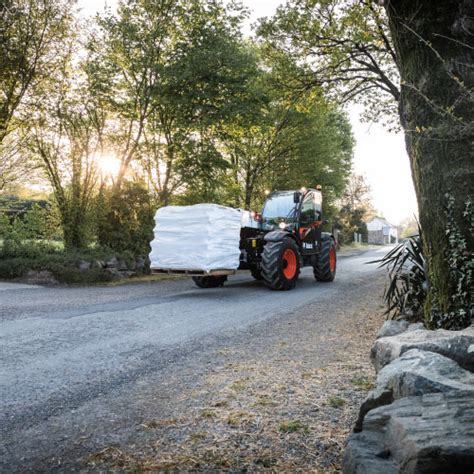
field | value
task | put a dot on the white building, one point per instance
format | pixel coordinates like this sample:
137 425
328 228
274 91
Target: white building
381 232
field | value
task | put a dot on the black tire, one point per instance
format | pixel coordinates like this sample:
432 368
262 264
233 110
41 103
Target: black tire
257 274
210 281
274 265
325 269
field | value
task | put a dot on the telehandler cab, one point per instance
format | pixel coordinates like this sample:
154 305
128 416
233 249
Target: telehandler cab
287 238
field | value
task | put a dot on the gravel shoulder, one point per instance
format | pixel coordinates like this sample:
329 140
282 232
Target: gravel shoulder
282 398
279 394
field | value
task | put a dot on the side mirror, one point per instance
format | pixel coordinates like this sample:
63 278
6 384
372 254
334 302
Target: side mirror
296 197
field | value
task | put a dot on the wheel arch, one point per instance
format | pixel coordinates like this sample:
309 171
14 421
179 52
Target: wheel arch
328 236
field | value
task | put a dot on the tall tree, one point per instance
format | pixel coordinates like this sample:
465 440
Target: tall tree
355 208
283 140
346 49
435 54
31 39
172 68
66 136
351 47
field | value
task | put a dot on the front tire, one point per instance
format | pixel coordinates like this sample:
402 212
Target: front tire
326 263
210 281
280 264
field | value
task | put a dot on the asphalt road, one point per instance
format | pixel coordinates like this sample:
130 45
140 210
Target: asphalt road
77 364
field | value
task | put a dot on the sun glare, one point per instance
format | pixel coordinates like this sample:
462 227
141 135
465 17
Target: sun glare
109 165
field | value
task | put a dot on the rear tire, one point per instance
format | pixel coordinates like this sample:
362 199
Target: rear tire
280 264
326 262
210 281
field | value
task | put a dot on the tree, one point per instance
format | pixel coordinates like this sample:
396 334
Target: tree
66 137
353 49
172 69
283 140
31 38
435 55
16 163
356 208
168 72
346 49
408 227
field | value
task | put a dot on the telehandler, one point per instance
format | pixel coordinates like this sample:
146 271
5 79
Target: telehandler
287 237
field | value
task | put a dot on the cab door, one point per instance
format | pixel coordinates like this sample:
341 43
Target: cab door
318 216
307 228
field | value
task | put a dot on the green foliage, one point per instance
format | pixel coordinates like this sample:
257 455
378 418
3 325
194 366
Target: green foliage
126 218
355 209
459 311
13 205
63 265
192 111
31 38
406 291
285 141
174 70
343 47
29 234
31 35
407 227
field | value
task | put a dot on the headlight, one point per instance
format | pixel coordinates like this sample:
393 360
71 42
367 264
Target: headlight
282 225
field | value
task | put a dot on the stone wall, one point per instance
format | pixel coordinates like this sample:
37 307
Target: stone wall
89 271
419 418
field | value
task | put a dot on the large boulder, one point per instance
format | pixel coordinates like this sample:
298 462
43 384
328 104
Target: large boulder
392 328
427 434
456 345
415 373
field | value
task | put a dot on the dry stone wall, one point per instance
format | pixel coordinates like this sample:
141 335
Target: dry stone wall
419 418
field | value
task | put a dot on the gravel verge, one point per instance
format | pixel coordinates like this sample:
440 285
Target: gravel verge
279 397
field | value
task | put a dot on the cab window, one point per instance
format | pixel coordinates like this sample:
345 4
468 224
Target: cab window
307 209
317 206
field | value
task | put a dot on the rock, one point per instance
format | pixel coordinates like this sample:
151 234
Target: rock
39 277
122 265
452 344
140 263
391 328
114 273
415 326
84 265
415 373
127 274
111 263
427 434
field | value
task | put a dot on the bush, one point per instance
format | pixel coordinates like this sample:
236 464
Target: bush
30 234
406 291
62 264
126 219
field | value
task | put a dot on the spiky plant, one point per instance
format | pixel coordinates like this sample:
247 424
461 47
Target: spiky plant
405 293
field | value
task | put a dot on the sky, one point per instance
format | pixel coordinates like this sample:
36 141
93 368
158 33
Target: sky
379 156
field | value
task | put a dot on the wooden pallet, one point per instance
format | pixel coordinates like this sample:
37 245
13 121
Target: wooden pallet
174 271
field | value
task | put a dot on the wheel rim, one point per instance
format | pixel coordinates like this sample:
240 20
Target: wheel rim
332 259
289 264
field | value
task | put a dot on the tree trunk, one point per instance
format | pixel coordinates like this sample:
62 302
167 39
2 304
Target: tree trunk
435 48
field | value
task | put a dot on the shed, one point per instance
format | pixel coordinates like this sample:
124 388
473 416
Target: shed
381 232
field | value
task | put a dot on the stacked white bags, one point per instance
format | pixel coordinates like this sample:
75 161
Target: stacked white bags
200 237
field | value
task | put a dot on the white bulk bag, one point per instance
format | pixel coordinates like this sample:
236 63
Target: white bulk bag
200 237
